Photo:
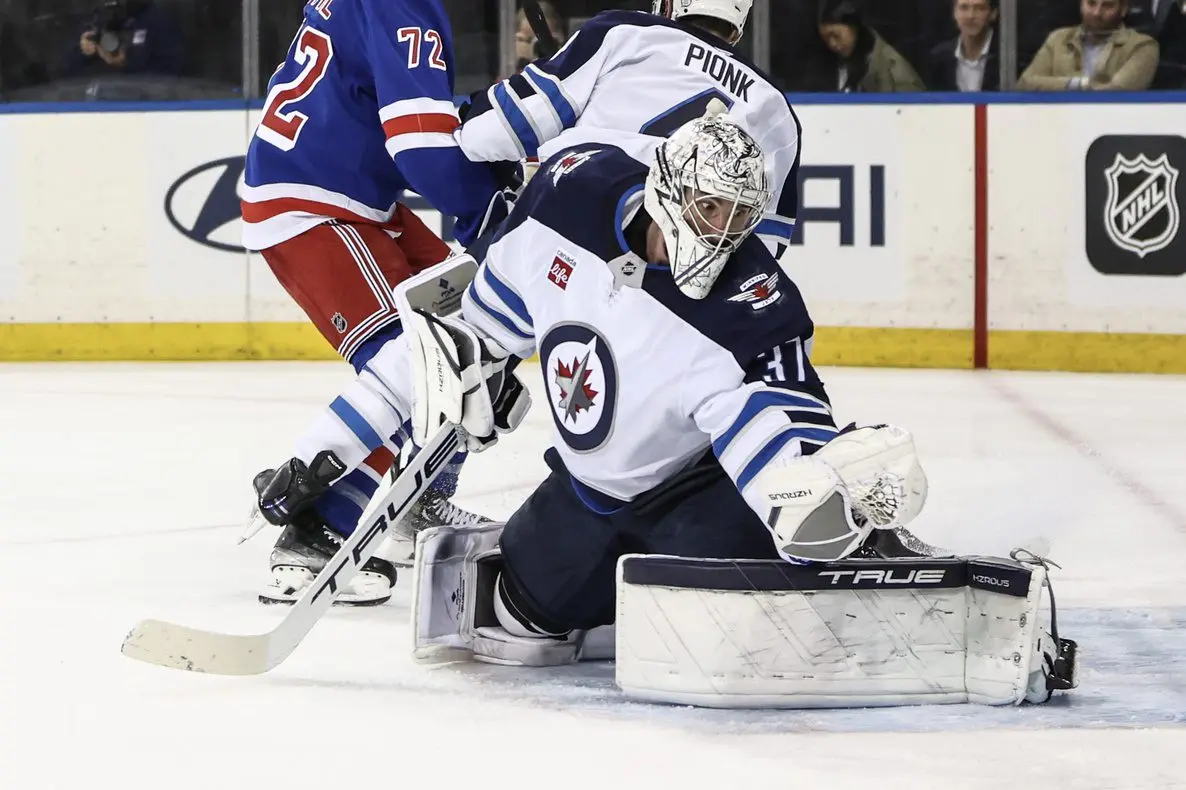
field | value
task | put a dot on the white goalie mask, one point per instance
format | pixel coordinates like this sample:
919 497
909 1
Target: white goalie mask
706 191
735 12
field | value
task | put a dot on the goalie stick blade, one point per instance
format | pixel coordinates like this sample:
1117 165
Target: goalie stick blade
194 650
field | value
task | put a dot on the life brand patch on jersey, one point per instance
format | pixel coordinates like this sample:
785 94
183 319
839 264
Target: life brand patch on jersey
561 270
581 378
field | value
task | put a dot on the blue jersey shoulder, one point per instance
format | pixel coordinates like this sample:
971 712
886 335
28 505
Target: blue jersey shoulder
581 193
752 308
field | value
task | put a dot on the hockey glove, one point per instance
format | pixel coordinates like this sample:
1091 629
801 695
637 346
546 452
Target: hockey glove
284 493
462 378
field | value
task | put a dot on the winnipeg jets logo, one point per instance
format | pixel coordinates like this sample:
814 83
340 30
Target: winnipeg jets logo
573 381
581 383
1142 215
571 162
759 291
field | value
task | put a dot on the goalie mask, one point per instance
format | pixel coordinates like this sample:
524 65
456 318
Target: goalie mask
734 12
706 191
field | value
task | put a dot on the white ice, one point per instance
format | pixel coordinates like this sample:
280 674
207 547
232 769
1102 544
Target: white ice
122 493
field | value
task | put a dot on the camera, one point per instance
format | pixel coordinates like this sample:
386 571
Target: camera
110 19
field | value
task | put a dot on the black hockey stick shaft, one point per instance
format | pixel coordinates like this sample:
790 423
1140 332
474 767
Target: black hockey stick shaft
548 46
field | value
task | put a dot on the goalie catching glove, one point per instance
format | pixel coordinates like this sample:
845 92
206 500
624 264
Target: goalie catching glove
822 507
464 378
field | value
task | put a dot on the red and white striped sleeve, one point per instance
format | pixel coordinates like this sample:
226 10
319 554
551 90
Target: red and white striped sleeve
419 123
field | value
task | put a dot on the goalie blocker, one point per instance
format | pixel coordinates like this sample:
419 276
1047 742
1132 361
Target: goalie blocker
768 634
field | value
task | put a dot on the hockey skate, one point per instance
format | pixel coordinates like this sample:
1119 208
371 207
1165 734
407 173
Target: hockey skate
898 543
304 549
285 498
434 509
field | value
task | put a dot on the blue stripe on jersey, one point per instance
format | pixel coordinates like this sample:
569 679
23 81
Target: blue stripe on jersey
772 448
517 119
758 402
775 227
620 215
495 314
545 85
356 423
507 295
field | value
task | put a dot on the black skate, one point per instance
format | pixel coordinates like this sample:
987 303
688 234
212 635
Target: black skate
304 549
285 497
432 510
895 544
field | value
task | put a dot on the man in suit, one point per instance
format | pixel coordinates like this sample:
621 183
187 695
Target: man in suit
969 62
1165 21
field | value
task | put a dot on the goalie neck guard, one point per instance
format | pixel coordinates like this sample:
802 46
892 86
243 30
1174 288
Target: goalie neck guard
707 191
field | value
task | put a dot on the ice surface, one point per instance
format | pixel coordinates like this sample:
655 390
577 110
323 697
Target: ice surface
123 492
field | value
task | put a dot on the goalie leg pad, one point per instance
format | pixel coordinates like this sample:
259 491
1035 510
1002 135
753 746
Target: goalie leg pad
458 612
855 633
1013 655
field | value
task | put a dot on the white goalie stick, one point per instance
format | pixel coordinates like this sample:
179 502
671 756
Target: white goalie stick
194 650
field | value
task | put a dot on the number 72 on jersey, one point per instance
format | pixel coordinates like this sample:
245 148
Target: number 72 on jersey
313 51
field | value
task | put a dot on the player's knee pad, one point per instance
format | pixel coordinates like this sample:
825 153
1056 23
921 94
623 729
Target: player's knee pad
511 613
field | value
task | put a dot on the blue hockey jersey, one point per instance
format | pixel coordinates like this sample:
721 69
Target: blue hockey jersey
360 111
640 379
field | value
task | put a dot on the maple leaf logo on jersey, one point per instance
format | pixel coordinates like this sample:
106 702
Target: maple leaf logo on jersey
760 291
575 392
571 162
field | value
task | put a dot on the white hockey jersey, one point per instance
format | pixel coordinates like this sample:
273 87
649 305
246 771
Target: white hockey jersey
640 379
630 79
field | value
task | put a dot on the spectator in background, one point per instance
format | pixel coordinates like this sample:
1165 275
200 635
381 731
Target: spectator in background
527 45
128 37
969 63
1099 54
1165 21
864 62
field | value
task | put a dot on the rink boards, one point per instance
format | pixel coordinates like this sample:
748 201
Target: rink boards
1034 236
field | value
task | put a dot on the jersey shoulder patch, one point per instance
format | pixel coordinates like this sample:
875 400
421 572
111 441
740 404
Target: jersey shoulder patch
753 306
580 194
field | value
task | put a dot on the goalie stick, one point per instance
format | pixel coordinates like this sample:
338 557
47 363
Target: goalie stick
194 650
548 46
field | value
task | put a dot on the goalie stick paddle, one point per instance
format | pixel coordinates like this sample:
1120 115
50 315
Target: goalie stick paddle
194 650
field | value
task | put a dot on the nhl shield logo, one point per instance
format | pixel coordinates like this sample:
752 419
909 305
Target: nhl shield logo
1141 214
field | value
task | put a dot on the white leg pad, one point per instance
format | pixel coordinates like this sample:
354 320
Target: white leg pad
855 633
454 616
